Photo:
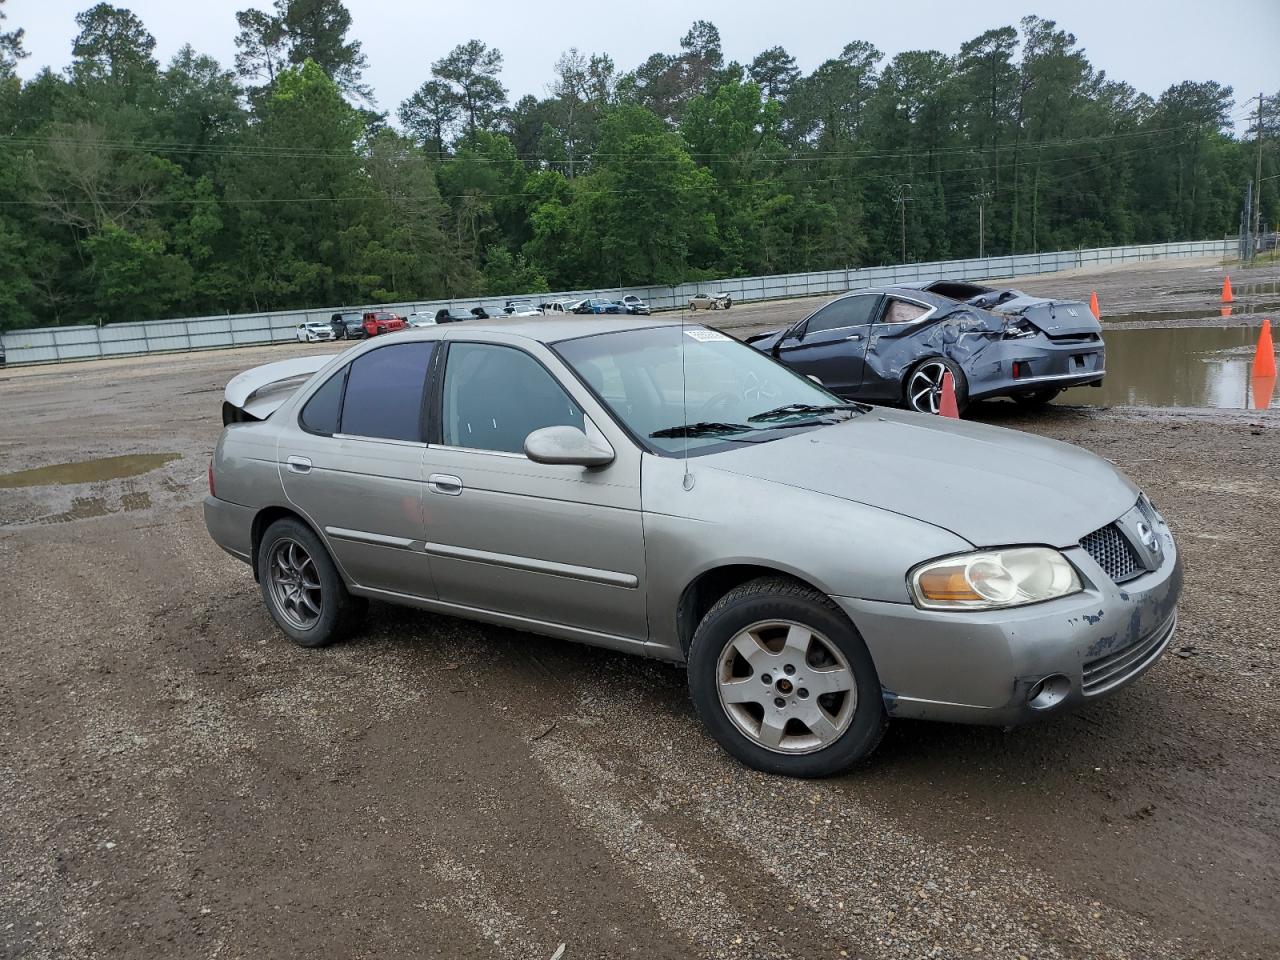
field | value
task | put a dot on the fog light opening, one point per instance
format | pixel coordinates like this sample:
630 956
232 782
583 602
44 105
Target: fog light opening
1049 692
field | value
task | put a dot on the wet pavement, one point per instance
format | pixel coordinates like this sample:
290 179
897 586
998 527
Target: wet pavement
1178 367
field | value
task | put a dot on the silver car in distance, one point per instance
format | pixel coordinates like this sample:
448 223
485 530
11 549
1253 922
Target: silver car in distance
659 488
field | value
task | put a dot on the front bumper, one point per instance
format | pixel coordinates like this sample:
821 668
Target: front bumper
984 667
231 527
1042 363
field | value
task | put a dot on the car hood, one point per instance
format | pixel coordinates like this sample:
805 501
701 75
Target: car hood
989 485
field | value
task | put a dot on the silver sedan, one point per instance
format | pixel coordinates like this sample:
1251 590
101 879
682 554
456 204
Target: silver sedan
662 489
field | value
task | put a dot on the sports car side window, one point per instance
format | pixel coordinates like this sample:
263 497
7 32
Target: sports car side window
903 311
495 396
845 312
384 392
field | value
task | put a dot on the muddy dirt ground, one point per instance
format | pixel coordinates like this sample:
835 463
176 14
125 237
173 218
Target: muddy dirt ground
178 780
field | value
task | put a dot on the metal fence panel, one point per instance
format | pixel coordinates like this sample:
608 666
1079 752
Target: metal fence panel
55 344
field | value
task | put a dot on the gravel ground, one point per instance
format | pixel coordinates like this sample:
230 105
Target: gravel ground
178 780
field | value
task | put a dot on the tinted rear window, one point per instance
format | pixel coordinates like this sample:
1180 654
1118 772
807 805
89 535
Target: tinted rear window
320 415
384 392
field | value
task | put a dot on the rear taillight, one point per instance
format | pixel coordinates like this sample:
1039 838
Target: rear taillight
211 490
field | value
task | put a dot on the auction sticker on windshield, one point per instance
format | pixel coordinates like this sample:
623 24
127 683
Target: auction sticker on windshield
706 336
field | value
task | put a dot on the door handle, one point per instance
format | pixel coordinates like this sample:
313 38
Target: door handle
443 483
299 465
854 336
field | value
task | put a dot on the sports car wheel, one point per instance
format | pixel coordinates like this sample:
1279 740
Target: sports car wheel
302 589
783 681
923 389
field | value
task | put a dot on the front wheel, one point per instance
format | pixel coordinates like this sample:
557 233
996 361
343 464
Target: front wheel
783 681
922 389
301 586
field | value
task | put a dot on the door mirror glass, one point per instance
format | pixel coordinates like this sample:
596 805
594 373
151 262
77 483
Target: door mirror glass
566 445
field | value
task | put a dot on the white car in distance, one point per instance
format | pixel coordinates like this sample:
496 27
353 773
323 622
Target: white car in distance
314 331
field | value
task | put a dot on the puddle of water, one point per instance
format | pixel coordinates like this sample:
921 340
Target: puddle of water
1195 313
1179 367
87 471
1259 288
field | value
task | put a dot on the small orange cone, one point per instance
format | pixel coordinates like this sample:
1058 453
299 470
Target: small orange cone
1093 305
1226 290
947 404
1264 358
1225 311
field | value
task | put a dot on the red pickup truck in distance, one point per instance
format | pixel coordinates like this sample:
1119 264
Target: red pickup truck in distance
382 321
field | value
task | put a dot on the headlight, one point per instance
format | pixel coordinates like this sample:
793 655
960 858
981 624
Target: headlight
993 579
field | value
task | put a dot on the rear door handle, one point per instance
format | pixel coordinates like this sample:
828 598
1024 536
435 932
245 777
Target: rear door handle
443 483
854 336
299 465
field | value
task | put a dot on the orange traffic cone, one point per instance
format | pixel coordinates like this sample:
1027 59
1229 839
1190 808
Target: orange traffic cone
1093 305
1263 387
1264 358
947 404
1224 311
1226 290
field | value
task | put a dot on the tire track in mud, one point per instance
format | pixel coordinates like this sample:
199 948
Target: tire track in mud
903 897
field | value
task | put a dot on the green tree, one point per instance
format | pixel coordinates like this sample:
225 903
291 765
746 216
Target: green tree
471 71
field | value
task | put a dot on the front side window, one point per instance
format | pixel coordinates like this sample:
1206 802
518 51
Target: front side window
495 396
845 312
658 378
384 392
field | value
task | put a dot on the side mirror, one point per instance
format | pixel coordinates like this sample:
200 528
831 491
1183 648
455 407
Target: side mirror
566 445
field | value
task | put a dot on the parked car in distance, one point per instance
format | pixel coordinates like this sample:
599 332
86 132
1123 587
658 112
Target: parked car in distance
314 331
895 344
348 326
560 306
521 308
453 315
480 313
421 319
598 305
634 305
821 567
382 321
710 301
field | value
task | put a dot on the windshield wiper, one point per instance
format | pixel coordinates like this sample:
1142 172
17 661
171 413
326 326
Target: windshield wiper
793 408
703 428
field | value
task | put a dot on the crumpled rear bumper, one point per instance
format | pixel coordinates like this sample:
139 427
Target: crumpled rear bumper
1042 363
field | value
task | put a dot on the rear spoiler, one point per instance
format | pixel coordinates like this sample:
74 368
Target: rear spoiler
259 392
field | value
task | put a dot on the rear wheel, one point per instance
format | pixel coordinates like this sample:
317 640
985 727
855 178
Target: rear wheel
922 388
783 681
1036 399
301 586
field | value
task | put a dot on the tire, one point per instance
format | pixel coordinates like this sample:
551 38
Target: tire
1036 400
930 369
771 618
301 587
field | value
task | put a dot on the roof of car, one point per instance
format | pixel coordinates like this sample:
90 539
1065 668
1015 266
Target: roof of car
544 329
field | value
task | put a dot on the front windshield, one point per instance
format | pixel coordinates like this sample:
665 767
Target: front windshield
659 379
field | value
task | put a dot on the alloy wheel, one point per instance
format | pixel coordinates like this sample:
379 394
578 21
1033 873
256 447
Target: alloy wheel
924 388
786 687
295 584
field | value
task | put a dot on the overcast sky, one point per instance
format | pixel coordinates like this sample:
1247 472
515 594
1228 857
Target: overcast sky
1236 42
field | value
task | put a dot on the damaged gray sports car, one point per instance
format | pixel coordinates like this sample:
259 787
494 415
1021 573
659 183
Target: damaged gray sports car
894 344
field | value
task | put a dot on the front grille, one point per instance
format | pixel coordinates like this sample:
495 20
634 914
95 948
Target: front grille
1114 553
1074 337
1106 672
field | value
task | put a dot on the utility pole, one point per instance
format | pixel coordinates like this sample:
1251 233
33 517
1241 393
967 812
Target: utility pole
902 199
1257 182
982 196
